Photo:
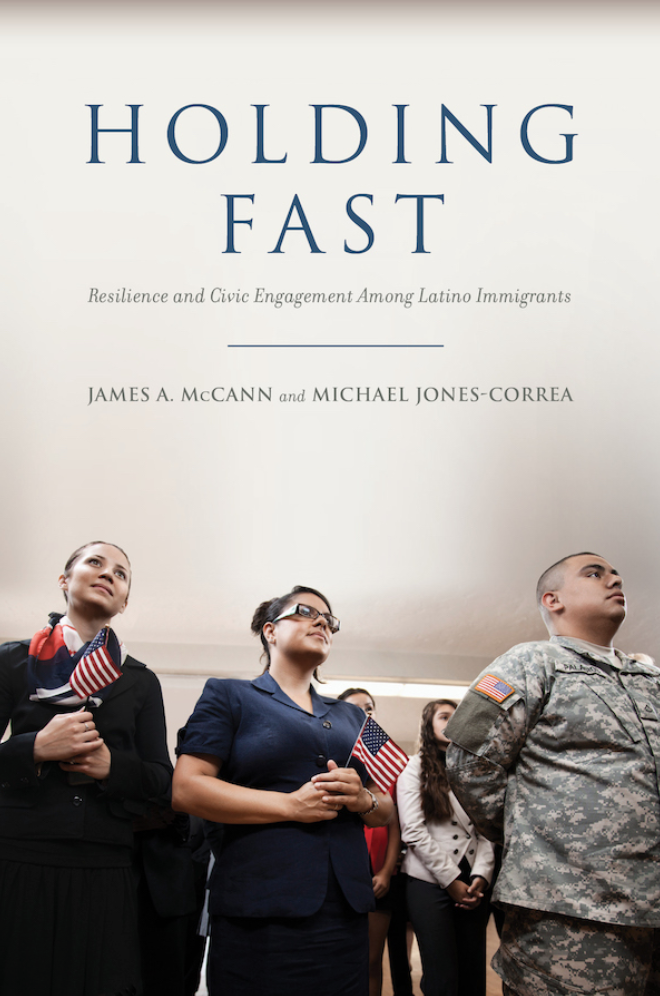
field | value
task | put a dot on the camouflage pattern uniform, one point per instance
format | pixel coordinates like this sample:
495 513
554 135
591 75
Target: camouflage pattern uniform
558 754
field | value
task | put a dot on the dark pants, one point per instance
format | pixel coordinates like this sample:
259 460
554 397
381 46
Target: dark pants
452 942
397 941
162 949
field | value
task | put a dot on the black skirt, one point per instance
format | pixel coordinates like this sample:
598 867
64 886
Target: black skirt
326 954
67 931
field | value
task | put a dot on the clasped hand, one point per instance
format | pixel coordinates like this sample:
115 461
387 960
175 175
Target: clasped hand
327 793
467 897
73 740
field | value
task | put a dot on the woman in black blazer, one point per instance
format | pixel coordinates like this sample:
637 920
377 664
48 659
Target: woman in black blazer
268 758
87 751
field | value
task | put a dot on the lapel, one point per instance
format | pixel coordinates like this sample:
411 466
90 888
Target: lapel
462 817
128 678
321 704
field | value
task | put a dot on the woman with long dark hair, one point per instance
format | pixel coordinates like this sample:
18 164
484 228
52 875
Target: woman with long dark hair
291 887
87 751
449 866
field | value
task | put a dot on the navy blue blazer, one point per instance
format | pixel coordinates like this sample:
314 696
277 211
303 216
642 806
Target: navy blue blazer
265 741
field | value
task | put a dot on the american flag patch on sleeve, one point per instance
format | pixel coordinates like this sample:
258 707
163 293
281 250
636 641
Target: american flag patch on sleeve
494 688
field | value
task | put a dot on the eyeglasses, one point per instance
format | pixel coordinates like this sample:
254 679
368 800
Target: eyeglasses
308 612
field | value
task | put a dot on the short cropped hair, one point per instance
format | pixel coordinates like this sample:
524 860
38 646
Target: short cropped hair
553 578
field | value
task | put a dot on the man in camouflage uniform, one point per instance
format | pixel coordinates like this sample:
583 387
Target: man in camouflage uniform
556 752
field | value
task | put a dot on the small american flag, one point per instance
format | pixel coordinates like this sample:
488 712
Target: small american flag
494 688
383 759
96 669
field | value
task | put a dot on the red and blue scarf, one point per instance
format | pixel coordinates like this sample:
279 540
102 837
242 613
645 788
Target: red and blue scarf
65 671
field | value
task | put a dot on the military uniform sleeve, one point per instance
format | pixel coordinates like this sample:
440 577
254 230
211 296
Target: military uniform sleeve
484 860
488 731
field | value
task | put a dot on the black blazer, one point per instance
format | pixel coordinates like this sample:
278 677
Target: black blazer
41 804
266 741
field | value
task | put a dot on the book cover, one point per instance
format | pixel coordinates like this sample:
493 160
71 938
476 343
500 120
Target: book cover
358 296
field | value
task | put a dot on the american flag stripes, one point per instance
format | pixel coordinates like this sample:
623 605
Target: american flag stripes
383 759
494 688
96 668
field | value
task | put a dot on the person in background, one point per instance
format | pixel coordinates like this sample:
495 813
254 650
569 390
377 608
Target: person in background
555 751
167 900
449 866
384 846
641 658
291 886
200 844
87 752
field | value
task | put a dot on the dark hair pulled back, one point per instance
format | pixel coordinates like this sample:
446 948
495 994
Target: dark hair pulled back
270 610
348 692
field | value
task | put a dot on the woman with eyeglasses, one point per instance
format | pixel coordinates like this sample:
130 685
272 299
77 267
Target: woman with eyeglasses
269 759
87 752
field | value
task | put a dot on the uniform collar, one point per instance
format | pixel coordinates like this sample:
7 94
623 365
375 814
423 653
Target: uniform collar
577 647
